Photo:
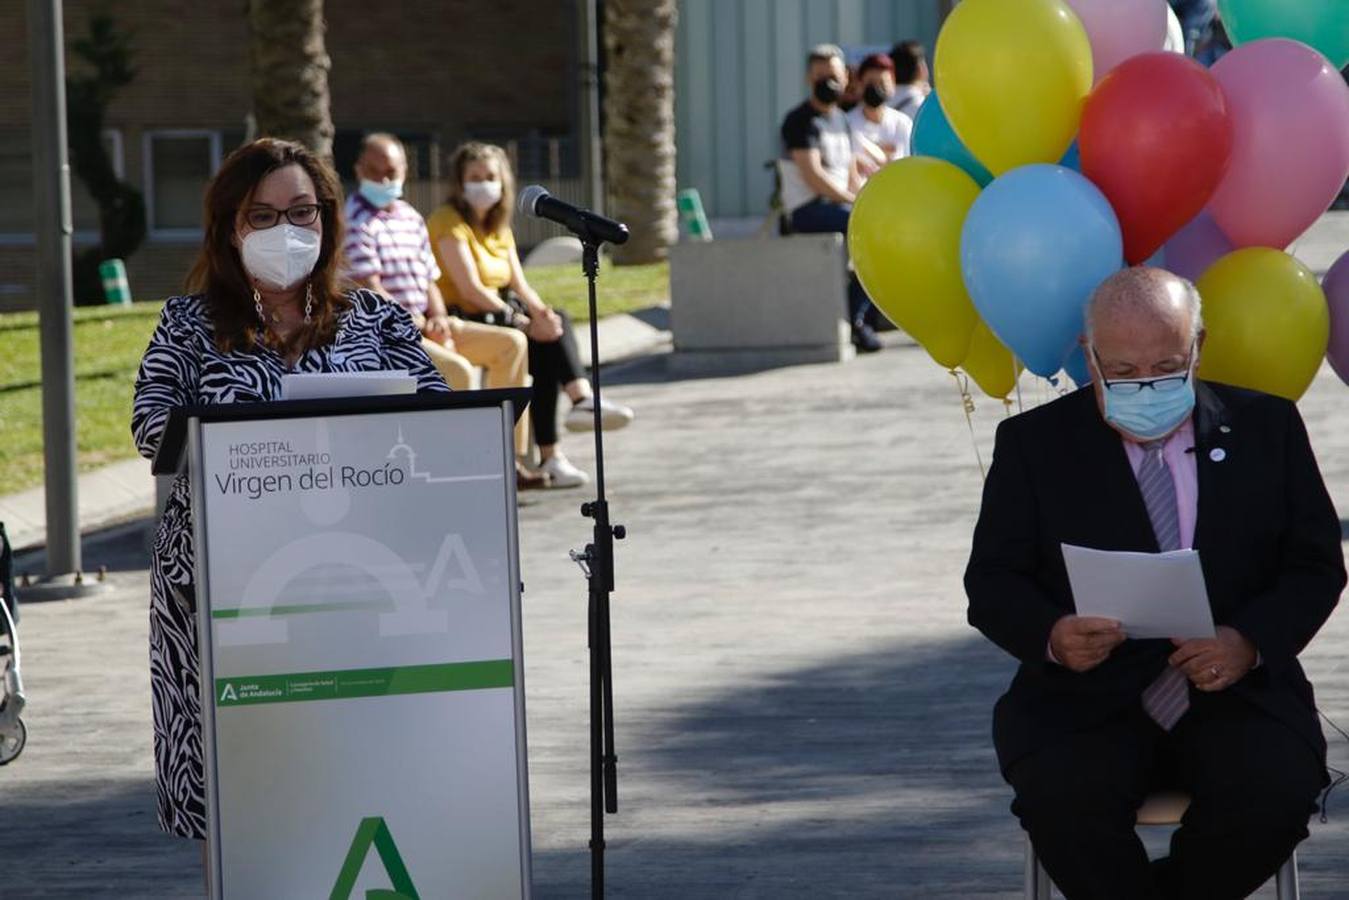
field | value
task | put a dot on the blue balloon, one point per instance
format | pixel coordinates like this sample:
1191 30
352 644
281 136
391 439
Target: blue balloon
934 136
1036 243
1073 158
1076 367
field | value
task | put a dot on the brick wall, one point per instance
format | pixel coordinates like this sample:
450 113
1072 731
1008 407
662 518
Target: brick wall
449 69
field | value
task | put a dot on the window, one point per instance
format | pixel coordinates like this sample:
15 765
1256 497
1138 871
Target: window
178 164
16 188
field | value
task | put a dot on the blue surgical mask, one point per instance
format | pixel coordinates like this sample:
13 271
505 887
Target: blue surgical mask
381 193
1149 408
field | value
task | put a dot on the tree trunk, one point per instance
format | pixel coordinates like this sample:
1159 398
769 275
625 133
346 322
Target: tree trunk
109 61
639 127
290 67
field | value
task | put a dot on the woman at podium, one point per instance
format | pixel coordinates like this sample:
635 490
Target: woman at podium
265 299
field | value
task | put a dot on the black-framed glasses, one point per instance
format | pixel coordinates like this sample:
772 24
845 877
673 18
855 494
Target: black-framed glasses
260 218
1164 384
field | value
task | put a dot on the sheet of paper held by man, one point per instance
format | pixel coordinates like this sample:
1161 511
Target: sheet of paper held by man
1154 595
324 385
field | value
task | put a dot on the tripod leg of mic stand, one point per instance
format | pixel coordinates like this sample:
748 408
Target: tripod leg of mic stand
596 754
610 753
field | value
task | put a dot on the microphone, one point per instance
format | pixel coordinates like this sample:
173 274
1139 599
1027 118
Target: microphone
588 226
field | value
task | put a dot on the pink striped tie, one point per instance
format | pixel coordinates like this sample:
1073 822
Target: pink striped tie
1168 697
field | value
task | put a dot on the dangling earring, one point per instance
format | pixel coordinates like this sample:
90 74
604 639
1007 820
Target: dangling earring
257 306
308 302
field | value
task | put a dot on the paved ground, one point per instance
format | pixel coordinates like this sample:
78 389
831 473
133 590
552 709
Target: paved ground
802 711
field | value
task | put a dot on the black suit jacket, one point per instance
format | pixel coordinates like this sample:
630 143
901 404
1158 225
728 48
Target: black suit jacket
1267 534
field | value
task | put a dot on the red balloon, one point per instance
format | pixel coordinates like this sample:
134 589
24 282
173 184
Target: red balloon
1156 137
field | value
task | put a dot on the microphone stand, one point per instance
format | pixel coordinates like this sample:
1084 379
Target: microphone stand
597 562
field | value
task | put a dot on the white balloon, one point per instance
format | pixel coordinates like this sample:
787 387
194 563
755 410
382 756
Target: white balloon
1175 35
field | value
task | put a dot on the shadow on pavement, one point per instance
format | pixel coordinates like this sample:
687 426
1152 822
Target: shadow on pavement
657 370
869 775
657 317
90 839
121 548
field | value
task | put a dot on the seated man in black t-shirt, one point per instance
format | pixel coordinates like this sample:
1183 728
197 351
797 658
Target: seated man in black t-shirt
819 175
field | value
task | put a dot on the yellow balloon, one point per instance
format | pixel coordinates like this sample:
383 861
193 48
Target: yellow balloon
904 239
1013 76
991 364
1267 320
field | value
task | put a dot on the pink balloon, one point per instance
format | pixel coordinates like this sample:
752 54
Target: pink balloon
1290 157
1336 286
1195 247
1119 29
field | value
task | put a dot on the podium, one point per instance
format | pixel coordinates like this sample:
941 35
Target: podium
358 604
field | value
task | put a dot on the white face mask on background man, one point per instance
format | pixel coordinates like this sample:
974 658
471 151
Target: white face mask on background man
282 256
482 195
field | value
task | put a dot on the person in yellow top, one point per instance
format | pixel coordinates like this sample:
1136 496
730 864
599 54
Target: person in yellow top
481 280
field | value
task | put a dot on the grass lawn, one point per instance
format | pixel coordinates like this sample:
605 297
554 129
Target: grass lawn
620 288
109 342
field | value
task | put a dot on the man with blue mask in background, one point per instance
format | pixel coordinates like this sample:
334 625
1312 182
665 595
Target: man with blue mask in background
387 245
1149 459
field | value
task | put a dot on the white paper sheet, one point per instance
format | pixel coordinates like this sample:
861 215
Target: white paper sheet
1155 595
324 385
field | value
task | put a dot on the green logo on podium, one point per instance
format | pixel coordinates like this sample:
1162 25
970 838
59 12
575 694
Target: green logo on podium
372 830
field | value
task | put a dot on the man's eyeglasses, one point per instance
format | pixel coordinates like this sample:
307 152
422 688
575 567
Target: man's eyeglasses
260 218
1162 385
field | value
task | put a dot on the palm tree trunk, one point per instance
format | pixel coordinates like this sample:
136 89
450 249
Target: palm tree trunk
290 67
639 128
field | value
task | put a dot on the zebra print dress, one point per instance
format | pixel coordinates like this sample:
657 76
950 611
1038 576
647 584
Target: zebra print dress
183 366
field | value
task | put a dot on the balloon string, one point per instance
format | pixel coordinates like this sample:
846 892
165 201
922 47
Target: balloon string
967 403
1016 379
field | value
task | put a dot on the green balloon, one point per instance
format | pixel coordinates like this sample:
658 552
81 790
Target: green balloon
1322 24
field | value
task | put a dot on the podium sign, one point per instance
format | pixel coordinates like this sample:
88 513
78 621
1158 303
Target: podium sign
358 594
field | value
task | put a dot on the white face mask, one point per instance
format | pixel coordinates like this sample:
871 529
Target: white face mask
482 194
281 256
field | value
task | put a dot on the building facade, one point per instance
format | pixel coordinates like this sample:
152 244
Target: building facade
437 73
740 67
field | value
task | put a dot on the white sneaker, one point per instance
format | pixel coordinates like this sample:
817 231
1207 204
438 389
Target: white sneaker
561 473
613 416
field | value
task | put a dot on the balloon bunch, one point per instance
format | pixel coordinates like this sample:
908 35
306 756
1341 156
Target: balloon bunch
1062 143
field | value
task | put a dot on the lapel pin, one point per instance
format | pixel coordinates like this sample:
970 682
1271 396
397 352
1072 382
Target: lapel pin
1217 454
1225 429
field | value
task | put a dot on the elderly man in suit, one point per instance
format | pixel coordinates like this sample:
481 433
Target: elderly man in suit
1149 458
